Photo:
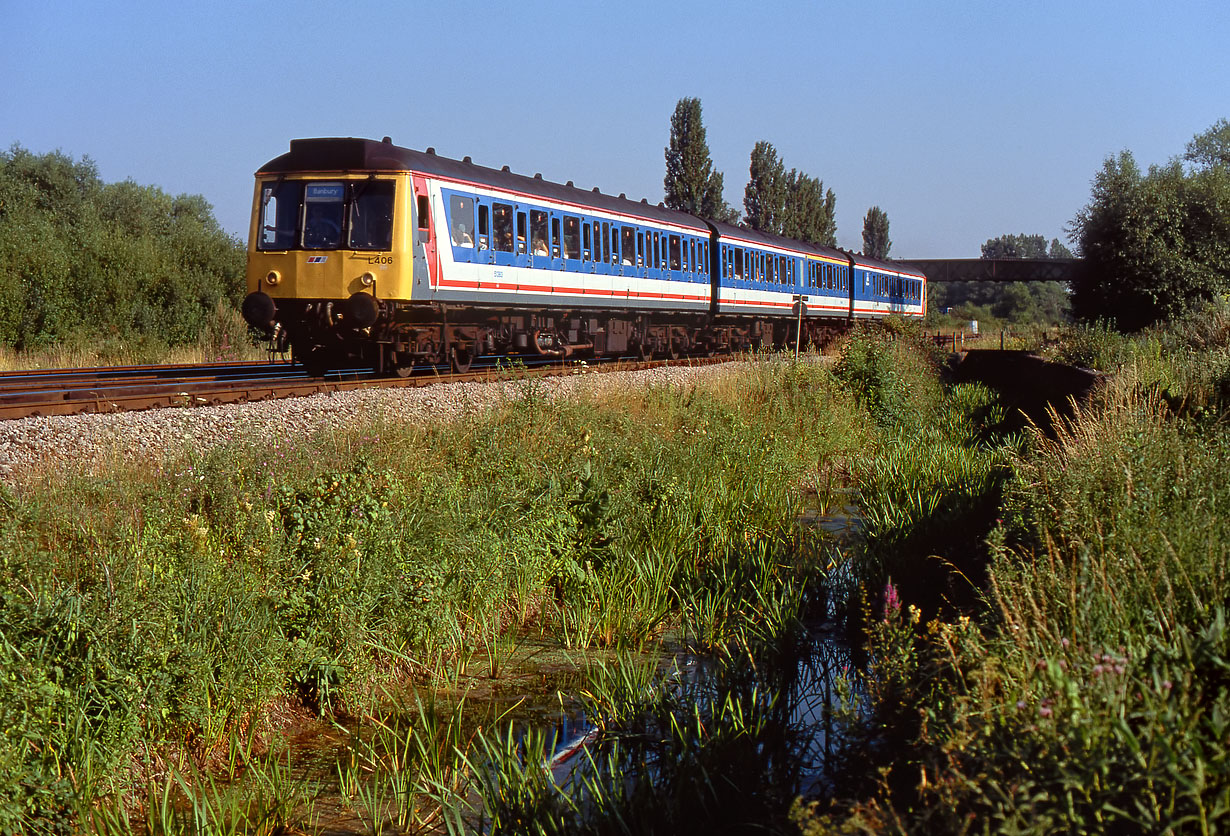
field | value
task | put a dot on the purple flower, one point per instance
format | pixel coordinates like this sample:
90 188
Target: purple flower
1044 712
892 602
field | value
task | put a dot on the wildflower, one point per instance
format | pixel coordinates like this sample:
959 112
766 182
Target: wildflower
1020 705
1064 642
1167 684
1044 712
892 602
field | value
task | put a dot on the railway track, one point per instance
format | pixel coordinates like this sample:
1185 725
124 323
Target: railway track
126 388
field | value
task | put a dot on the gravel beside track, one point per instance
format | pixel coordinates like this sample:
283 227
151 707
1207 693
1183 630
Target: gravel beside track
38 447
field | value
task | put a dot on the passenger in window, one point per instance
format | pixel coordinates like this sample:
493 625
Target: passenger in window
540 247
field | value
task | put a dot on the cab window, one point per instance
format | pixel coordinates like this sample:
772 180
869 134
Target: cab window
324 204
371 215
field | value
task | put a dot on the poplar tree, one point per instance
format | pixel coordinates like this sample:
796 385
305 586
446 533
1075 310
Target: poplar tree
875 233
691 184
792 203
811 210
764 197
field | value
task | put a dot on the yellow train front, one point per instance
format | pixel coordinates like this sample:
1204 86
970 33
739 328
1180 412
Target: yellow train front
329 237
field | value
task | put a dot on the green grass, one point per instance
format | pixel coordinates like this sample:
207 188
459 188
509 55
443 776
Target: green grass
170 610
1085 691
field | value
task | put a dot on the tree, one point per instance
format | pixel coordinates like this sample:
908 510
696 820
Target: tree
1016 246
691 184
1211 148
764 198
1155 245
876 243
792 204
811 210
82 260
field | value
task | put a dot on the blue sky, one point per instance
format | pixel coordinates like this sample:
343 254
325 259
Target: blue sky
962 121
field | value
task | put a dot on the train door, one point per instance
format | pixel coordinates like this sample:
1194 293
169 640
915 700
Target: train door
573 252
540 256
653 257
426 260
557 244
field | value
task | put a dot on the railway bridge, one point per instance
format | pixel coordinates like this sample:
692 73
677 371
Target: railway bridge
996 269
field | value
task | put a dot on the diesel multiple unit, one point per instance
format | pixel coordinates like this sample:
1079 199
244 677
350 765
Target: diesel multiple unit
365 251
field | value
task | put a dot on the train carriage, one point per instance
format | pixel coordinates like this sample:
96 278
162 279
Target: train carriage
883 288
363 251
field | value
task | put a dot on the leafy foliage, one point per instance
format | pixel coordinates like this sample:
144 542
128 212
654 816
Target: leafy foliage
1024 246
791 203
82 260
764 198
691 184
1156 245
876 243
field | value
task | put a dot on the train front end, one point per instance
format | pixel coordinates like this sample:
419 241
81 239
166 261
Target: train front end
325 248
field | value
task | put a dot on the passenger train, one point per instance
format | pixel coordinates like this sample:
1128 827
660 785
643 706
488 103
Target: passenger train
363 251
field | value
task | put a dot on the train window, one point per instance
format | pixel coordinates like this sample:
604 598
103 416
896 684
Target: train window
640 249
738 264
503 226
704 257
484 226
606 241
555 237
657 250
585 227
572 237
371 215
424 212
521 233
597 241
675 262
461 220
683 259
615 259
279 214
539 244
324 204
629 245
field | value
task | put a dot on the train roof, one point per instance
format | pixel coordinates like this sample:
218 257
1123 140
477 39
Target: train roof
901 267
726 230
349 154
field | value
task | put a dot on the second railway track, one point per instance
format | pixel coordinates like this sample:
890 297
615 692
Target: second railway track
128 388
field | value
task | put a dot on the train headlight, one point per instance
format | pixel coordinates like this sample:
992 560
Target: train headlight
273 277
368 279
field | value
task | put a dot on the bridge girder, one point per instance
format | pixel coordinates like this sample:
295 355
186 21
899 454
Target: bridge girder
996 269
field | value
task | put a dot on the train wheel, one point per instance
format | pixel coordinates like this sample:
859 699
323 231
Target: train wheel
673 350
461 359
644 350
